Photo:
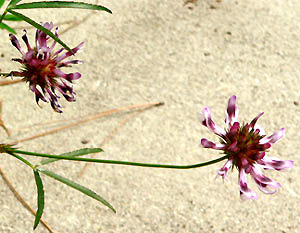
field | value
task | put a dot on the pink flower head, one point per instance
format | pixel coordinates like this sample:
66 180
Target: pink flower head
245 146
41 68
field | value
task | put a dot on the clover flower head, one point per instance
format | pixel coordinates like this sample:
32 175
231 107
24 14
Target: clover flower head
41 68
245 145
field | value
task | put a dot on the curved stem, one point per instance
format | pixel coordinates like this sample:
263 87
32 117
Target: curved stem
121 162
22 159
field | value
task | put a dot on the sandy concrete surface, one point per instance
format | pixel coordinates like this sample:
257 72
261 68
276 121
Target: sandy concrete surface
188 56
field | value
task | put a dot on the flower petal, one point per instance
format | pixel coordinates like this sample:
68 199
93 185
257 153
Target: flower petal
275 137
260 128
58 52
68 63
41 37
233 147
67 54
232 112
73 76
234 128
66 90
15 43
207 121
253 122
265 184
208 144
258 155
223 171
25 39
38 94
244 190
275 163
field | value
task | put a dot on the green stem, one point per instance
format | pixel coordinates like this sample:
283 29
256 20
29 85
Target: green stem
4 74
2 16
22 159
121 162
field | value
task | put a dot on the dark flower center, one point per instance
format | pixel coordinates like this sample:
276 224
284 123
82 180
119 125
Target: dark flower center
242 144
37 68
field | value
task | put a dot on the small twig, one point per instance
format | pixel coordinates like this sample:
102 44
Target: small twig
89 118
1 121
21 199
75 23
10 82
46 123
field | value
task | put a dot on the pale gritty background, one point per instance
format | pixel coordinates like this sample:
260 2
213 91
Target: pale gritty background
188 57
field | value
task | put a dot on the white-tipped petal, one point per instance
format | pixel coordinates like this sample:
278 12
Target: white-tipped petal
275 137
208 122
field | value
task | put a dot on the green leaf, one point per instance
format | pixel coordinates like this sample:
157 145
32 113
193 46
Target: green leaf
12 18
1 3
40 27
40 198
14 2
61 4
75 153
8 28
76 186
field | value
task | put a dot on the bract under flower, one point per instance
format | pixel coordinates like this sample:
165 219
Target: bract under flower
245 145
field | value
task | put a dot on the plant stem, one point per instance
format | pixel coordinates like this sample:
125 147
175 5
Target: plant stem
2 16
4 74
120 162
22 159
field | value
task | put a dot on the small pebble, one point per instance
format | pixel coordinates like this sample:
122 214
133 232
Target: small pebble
85 141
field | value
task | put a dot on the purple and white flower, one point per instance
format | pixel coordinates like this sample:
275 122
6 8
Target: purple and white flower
41 68
245 145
